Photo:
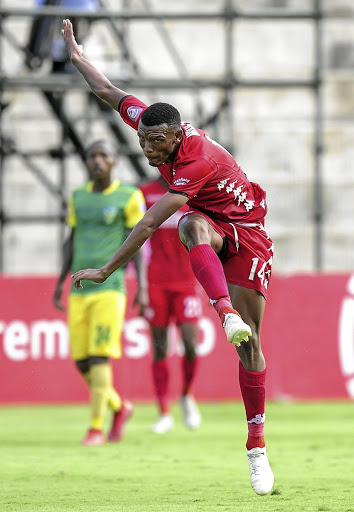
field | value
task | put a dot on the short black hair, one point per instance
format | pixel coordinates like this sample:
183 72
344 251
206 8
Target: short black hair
161 113
101 142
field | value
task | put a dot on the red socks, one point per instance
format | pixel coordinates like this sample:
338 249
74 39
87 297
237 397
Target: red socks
161 379
252 386
208 270
189 367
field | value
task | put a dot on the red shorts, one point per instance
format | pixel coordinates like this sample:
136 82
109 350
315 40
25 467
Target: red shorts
171 303
248 255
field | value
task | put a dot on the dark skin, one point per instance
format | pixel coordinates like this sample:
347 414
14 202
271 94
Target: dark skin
189 332
100 160
160 144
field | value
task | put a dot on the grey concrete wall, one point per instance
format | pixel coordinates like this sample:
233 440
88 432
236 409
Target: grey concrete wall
272 133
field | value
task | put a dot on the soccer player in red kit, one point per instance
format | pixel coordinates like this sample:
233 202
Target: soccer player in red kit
229 249
173 296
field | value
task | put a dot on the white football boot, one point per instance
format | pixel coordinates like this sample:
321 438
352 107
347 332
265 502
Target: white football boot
236 329
262 477
191 413
163 424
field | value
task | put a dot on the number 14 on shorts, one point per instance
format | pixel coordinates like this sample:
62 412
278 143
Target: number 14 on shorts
263 273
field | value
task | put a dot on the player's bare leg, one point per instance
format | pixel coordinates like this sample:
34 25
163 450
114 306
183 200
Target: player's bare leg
160 374
252 373
192 417
99 379
250 304
94 436
122 411
204 244
242 321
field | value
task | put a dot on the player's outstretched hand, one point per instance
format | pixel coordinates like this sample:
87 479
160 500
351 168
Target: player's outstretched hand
72 47
90 274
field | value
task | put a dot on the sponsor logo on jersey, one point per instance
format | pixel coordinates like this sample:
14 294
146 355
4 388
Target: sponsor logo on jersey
134 112
109 214
222 183
181 181
249 204
240 195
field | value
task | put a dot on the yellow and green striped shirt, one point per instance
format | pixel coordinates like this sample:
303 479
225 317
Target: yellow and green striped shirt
100 221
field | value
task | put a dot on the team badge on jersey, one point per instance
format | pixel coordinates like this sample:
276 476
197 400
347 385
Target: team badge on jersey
133 112
109 214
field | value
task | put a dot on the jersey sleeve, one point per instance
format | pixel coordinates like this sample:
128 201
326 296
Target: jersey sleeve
71 219
130 109
134 209
190 177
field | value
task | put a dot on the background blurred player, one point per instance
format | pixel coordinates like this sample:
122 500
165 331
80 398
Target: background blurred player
230 252
173 296
100 213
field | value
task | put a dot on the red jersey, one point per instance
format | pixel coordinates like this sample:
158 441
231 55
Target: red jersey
206 173
169 260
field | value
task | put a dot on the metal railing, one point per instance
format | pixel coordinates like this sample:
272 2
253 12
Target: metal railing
55 89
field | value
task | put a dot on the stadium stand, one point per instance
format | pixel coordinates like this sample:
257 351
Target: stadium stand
275 87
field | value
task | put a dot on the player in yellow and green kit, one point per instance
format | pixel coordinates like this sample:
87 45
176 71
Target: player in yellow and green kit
101 213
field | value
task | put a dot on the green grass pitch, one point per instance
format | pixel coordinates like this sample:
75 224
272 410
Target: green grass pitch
44 468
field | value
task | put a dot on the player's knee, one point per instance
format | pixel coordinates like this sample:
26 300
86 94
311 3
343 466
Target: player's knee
189 349
181 236
251 349
159 355
83 365
98 360
194 230
190 353
160 350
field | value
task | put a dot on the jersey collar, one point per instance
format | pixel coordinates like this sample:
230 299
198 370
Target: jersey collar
112 187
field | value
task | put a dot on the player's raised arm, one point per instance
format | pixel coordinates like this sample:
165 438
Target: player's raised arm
154 217
99 84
